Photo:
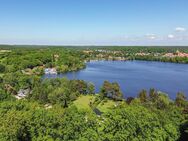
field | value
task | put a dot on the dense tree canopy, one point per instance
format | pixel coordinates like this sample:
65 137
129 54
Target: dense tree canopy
2 68
111 90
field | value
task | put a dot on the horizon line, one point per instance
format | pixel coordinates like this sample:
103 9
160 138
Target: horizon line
90 45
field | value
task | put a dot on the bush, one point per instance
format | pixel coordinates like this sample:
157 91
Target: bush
2 68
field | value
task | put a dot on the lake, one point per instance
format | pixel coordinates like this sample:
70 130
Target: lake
133 76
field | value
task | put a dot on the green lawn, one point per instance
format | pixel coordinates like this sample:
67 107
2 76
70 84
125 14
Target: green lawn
83 103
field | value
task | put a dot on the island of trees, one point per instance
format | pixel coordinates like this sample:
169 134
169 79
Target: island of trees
32 108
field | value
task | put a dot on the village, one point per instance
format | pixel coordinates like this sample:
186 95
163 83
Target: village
177 54
113 55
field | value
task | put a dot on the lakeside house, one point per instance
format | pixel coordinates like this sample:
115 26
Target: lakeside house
142 54
50 71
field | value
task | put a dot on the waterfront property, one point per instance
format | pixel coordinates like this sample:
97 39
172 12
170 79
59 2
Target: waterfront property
50 71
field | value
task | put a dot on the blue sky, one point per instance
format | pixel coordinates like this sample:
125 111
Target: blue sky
94 22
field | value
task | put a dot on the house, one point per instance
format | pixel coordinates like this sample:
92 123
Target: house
50 71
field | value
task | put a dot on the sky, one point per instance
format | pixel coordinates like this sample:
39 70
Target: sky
94 22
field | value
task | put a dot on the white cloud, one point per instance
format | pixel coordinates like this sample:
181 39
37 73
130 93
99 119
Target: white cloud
180 29
170 36
151 36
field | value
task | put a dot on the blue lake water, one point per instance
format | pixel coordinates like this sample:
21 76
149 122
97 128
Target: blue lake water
133 76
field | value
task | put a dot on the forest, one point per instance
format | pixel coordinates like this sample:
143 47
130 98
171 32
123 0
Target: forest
63 109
